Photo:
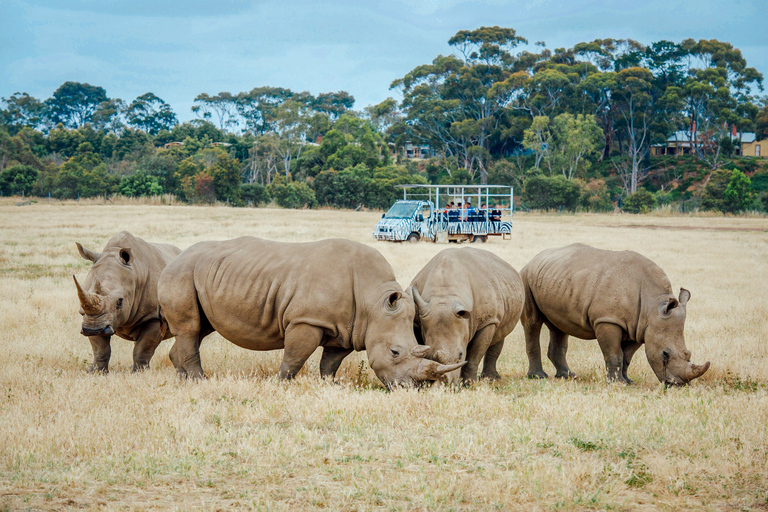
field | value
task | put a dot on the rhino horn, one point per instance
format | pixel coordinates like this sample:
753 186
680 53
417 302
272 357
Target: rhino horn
89 301
441 356
694 371
420 351
432 370
420 303
87 254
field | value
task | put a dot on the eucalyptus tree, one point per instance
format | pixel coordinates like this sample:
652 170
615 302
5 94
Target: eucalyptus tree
151 114
454 102
223 106
73 104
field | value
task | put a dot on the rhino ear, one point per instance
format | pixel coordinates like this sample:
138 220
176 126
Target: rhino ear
86 254
669 306
685 295
460 311
391 302
126 256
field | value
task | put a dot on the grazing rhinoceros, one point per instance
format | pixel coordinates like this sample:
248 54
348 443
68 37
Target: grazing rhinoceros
265 295
622 299
119 296
467 301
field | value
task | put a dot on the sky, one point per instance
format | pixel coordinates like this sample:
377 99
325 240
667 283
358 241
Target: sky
179 49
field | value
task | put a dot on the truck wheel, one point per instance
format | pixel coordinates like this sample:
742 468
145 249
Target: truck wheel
413 238
478 238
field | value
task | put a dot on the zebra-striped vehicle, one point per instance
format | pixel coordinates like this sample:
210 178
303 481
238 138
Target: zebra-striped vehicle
478 211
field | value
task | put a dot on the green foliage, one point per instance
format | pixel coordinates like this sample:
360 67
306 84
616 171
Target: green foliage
551 193
74 104
727 191
18 179
151 114
140 184
254 194
737 195
358 186
292 194
641 201
595 196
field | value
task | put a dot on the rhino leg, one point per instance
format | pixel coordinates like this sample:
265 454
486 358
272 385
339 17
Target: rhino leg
609 337
102 351
629 348
489 362
145 346
331 360
533 350
476 350
556 352
185 356
301 340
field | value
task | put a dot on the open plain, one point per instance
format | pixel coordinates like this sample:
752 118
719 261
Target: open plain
241 439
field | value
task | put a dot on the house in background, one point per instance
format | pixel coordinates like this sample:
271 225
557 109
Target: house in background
412 151
755 147
679 143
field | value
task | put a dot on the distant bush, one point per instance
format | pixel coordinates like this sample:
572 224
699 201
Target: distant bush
727 191
18 179
641 201
254 194
293 194
548 193
140 184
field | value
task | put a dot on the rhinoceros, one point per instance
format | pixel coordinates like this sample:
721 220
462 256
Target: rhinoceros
119 296
266 295
467 301
620 298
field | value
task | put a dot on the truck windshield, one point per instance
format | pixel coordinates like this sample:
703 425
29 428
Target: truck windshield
401 211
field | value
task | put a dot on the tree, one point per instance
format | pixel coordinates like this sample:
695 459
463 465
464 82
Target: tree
259 107
22 110
222 105
334 104
151 114
635 104
562 143
727 191
641 201
73 104
737 195
18 179
551 192
140 184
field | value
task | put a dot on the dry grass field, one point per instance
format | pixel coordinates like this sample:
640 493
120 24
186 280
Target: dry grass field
70 440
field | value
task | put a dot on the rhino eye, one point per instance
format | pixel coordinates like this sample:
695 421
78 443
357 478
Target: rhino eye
395 352
119 303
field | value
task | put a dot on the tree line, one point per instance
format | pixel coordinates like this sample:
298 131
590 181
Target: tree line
570 128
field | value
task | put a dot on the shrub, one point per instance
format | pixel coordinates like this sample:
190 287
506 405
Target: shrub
293 195
641 201
140 184
555 192
18 179
727 191
254 194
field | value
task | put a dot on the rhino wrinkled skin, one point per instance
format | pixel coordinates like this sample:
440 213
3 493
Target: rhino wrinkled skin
467 302
266 295
119 296
620 298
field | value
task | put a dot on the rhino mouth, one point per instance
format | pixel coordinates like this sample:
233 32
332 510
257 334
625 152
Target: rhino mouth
103 331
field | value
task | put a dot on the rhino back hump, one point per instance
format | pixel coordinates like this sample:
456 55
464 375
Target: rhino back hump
487 284
576 287
252 289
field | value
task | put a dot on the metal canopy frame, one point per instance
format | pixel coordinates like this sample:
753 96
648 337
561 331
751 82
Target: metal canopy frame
482 193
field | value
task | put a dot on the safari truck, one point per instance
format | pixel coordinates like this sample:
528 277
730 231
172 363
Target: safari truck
425 213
